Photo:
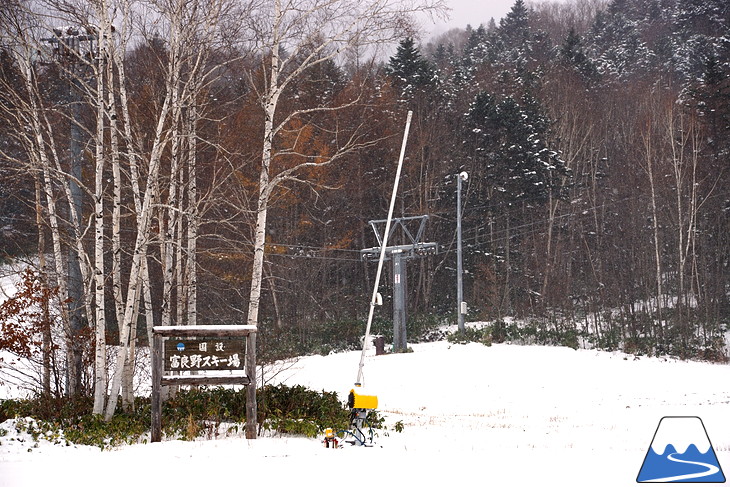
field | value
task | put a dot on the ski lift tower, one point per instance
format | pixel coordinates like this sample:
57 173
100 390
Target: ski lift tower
399 255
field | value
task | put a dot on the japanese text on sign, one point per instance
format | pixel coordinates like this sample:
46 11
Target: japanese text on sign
204 354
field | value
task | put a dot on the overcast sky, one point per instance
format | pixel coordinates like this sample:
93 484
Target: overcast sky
474 12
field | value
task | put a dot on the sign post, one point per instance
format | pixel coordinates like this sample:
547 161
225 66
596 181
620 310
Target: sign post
220 354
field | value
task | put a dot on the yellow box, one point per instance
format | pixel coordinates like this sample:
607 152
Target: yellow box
358 400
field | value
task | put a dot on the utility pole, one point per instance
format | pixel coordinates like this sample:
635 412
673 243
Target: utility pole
460 304
72 51
400 340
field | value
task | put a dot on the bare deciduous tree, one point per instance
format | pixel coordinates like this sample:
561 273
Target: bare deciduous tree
295 37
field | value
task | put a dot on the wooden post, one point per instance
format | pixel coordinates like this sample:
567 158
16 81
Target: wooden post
156 429
251 409
379 345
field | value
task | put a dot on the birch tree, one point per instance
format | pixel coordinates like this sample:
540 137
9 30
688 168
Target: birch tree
99 247
36 132
684 136
192 26
294 37
652 154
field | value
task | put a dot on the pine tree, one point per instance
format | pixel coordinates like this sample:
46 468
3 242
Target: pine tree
477 47
520 49
509 138
514 27
617 43
573 54
409 70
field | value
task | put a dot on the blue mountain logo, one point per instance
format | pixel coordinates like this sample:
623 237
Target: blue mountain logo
681 452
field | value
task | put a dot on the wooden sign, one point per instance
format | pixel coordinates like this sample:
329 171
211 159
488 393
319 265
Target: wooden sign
218 352
204 354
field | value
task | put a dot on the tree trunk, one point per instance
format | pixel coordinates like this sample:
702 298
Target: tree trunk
193 219
140 254
43 164
46 335
649 154
99 295
134 179
271 101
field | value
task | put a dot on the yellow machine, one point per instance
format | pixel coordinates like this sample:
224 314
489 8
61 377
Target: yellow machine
360 405
358 400
361 432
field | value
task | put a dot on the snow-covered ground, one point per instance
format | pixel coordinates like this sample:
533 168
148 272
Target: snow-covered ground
500 415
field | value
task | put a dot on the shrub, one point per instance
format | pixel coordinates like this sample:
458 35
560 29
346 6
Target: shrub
190 414
300 410
472 335
338 336
638 345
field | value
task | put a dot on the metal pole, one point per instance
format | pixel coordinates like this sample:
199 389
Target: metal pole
400 342
68 41
460 305
373 300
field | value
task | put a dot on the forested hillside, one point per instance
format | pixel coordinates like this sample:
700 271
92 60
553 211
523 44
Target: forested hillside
596 136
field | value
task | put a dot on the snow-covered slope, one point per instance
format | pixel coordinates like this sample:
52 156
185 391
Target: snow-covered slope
500 415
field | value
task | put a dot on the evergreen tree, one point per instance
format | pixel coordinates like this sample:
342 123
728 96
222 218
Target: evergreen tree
409 70
509 140
573 54
477 48
319 85
618 45
514 27
443 54
520 49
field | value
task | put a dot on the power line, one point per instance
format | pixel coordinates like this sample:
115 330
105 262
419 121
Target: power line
514 232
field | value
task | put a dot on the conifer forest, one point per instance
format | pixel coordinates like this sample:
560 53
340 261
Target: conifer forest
219 162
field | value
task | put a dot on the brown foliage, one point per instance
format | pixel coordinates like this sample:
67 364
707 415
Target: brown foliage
22 318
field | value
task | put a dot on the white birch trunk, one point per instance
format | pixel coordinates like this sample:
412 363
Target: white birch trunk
193 220
117 284
134 159
140 254
649 159
684 170
100 321
168 225
38 153
264 189
348 24
179 283
99 295
46 333
117 193
43 154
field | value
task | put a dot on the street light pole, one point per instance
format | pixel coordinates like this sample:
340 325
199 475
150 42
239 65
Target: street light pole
73 50
460 304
